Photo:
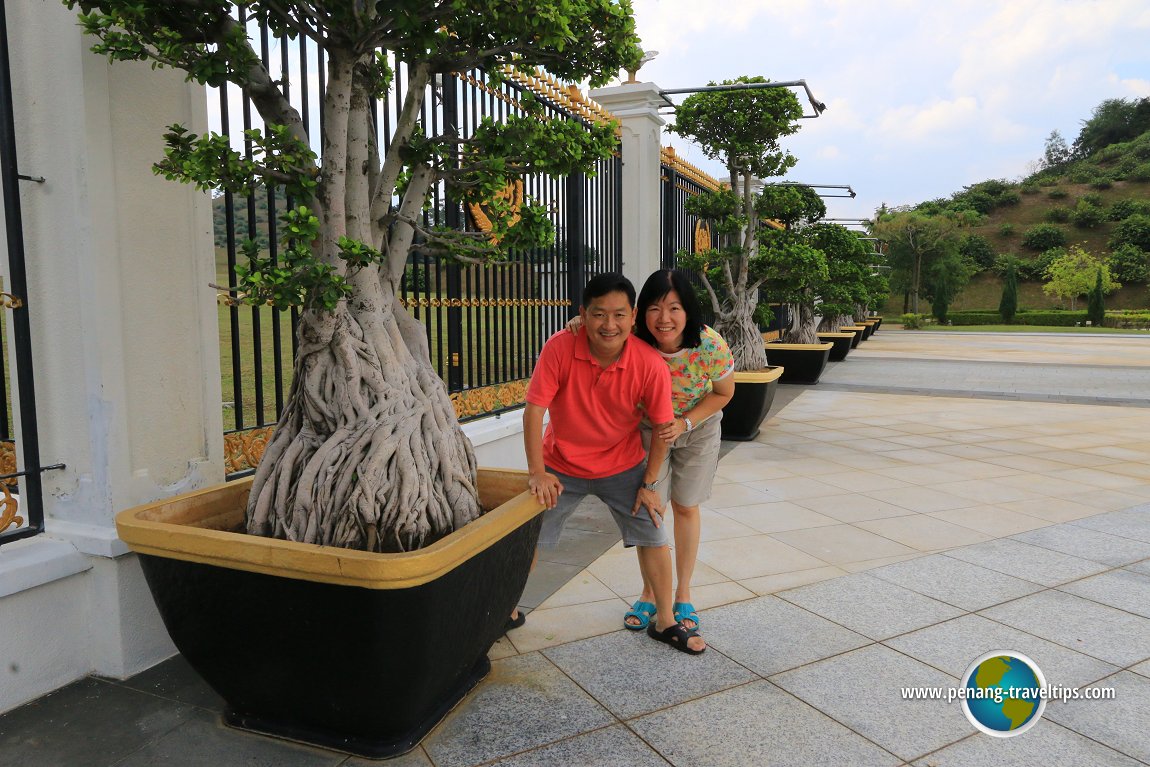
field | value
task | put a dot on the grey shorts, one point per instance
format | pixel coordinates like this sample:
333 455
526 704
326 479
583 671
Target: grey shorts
618 492
689 471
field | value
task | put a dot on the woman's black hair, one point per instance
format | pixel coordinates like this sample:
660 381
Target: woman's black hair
659 284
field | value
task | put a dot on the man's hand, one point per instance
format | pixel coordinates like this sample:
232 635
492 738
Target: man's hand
574 324
546 488
670 432
654 504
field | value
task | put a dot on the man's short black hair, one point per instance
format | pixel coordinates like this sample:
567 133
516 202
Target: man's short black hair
659 284
608 282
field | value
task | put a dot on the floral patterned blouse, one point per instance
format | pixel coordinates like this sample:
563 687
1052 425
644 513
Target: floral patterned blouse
693 370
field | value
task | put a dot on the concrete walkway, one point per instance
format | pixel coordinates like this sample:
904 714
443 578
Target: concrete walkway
889 526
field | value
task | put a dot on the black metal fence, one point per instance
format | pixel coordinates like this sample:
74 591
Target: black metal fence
484 325
681 230
21 495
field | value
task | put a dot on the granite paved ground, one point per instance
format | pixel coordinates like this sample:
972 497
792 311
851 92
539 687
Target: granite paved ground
881 533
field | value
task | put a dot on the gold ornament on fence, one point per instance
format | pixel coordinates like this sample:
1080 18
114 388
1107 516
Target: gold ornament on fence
8 508
512 194
475 402
702 236
244 449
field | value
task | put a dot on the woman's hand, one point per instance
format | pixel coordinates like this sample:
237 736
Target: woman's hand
574 324
670 432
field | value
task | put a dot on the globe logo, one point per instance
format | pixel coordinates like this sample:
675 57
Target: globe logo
1003 693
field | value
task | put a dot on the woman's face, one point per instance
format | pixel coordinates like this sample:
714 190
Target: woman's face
666 320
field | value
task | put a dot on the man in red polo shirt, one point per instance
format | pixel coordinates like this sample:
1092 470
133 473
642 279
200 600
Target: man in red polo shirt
598 384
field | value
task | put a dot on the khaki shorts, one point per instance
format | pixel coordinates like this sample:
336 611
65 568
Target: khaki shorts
618 491
691 464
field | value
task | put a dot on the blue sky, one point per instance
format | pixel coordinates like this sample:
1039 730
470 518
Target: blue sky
922 98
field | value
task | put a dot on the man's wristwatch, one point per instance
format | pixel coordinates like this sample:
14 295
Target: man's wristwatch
650 485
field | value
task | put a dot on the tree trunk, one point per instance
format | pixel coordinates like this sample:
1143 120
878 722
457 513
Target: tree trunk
368 454
832 324
739 329
802 330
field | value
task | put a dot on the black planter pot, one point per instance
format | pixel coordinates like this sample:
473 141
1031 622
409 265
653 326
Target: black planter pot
748 408
870 327
358 652
877 323
858 333
842 343
802 363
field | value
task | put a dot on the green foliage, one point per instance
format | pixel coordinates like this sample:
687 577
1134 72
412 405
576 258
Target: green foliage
1006 230
1008 306
1129 264
1058 214
1112 121
848 284
1049 317
790 204
1042 237
978 250
1102 183
1057 194
1087 215
1126 207
1140 174
1134 230
911 321
915 243
742 128
1096 309
1072 275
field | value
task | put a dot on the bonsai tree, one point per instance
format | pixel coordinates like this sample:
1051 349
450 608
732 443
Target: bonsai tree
368 453
741 129
847 289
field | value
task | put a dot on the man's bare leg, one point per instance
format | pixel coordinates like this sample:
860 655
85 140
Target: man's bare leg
655 562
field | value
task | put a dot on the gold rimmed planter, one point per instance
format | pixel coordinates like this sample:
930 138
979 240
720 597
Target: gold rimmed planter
748 408
802 363
359 652
870 325
858 330
842 341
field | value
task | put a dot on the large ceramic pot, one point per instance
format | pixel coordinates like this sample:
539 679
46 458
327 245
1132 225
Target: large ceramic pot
841 341
350 650
802 363
748 408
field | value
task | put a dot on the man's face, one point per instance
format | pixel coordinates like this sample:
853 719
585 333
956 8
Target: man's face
608 320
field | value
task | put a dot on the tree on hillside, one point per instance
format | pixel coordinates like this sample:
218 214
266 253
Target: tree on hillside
1008 305
740 129
1073 274
368 453
914 242
1056 153
1111 122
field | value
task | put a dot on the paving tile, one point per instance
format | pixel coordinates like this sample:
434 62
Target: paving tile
918 474
870 606
1045 743
581 589
921 499
777 517
769 635
1119 723
719 594
714 526
971 469
955 582
1104 632
769 584
1053 509
740 558
740 495
89 717
630 673
870 564
175 679
546 628
994 521
545 579
1140 567
1108 500
1129 523
988 491
1031 563
907 728
751 472
755 724
1123 589
858 481
524 703
610 746
923 532
1101 477
851 507
794 488
502 649
1085 543
416 758
203 741
952 646
843 543
1142 668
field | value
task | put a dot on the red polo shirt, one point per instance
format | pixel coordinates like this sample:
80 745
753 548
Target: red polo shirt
595 411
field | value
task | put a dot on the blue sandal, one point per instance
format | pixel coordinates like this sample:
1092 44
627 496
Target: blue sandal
643 611
685 611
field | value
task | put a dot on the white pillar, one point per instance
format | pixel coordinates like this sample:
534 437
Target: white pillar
636 107
126 344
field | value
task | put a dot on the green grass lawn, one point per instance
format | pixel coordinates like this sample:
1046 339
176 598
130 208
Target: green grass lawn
1033 329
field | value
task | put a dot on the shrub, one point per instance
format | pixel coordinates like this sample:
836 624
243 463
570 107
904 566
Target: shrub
1051 317
1059 214
1141 174
1029 188
1129 264
1102 183
979 250
1006 230
913 321
1127 207
1008 198
1057 194
1087 216
1042 237
1084 174
1134 230
1092 198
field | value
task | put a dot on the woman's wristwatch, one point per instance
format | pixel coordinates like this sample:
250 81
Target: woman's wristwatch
687 421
